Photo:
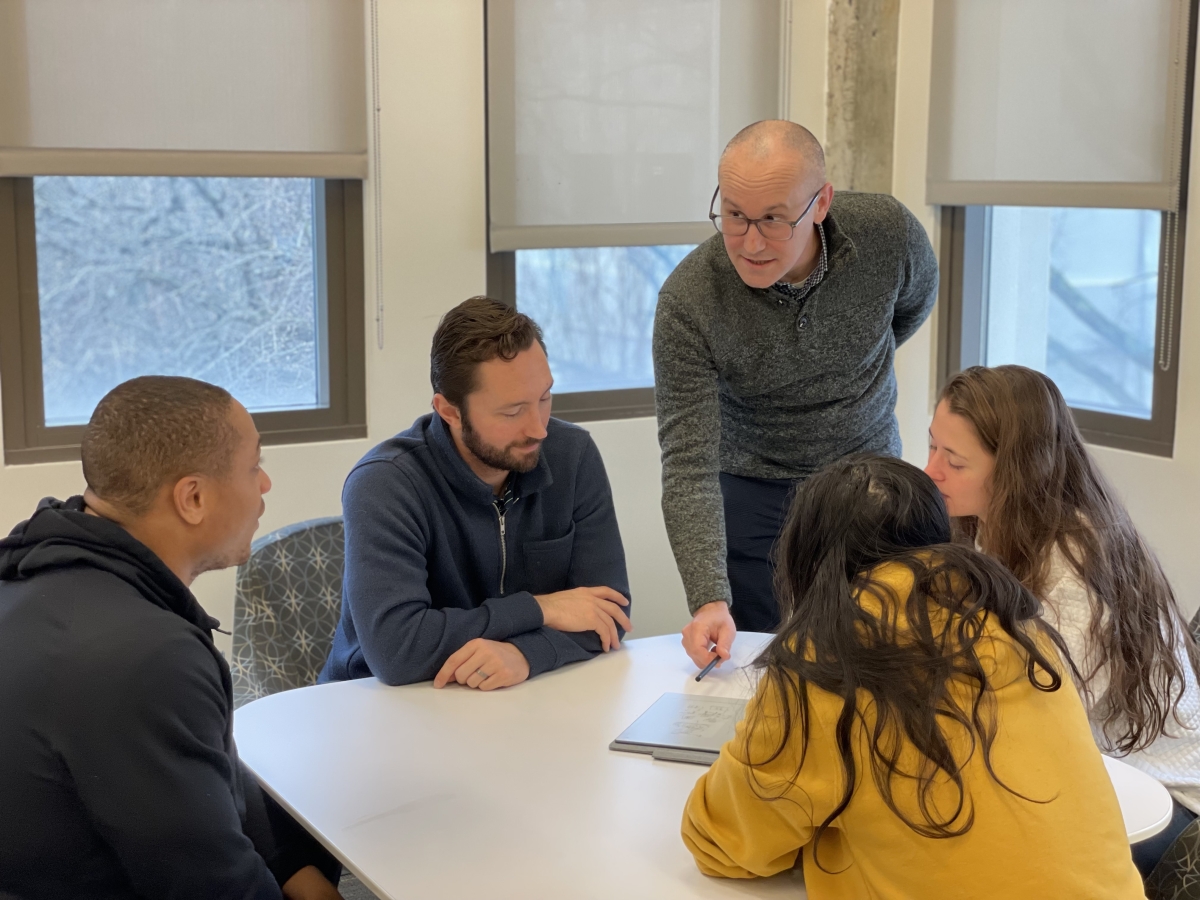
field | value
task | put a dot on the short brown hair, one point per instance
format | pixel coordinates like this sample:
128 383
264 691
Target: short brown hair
152 431
476 331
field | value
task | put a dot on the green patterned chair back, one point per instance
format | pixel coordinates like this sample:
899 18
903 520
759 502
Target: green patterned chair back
1177 875
286 607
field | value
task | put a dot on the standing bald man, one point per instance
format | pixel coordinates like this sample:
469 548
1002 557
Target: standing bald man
774 344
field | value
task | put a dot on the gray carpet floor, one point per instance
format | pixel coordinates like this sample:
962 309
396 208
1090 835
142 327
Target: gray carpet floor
353 889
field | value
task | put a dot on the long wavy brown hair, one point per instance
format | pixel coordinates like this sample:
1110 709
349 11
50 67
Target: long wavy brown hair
918 662
1047 491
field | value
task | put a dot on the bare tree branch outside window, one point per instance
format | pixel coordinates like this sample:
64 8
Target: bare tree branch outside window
596 308
1074 293
213 278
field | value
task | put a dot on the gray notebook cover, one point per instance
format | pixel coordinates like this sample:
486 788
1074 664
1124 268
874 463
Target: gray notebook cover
683 728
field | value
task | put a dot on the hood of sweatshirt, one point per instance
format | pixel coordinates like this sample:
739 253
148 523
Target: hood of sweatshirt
60 535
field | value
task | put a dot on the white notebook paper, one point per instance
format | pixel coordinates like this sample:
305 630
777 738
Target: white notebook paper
683 728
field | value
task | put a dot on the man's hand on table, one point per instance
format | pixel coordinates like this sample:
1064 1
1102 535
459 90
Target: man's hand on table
710 631
595 609
486 665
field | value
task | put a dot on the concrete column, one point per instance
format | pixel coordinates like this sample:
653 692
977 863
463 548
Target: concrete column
860 109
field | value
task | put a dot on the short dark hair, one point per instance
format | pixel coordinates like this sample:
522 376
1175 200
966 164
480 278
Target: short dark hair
152 431
476 331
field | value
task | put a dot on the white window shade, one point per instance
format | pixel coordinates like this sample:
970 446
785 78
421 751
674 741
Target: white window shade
606 118
1058 103
177 87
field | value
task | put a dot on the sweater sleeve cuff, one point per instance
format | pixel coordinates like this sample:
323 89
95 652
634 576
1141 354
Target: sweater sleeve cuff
515 614
538 651
694 605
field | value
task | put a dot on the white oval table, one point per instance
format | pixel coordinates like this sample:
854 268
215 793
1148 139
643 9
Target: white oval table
515 794
1145 803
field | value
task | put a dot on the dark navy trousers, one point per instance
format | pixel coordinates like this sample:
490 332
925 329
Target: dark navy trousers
755 509
1147 853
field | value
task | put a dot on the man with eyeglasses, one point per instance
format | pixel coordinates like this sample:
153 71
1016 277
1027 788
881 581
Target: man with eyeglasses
774 344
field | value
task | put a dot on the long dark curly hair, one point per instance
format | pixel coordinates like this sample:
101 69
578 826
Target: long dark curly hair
848 633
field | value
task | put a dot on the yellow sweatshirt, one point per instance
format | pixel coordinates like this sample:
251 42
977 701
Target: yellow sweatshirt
1072 846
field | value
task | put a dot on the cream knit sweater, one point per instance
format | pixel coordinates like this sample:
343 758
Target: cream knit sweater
1174 758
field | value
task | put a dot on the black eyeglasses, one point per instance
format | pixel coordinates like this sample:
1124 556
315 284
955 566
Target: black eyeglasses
771 229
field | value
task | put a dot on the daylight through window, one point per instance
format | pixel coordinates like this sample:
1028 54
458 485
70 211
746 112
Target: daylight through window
1074 293
213 278
596 308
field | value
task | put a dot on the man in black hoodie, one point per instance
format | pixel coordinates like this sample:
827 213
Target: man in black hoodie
118 773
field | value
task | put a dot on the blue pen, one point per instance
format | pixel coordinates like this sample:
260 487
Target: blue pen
716 659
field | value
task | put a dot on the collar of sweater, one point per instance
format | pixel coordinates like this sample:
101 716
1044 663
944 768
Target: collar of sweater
839 246
456 471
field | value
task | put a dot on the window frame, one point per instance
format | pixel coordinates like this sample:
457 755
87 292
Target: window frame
962 320
962 315
338 232
576 406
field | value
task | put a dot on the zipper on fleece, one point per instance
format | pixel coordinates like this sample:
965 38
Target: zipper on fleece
503 546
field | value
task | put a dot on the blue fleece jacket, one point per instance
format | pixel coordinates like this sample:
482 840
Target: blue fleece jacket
430 563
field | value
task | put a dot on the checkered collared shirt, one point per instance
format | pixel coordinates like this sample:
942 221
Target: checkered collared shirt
802 290
507 498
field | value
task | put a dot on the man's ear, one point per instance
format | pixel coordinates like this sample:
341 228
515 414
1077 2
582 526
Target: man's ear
447 410
824 202
188 497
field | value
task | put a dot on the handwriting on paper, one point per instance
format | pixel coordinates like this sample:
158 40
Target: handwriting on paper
700 718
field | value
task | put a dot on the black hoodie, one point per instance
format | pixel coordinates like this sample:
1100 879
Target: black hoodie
118 773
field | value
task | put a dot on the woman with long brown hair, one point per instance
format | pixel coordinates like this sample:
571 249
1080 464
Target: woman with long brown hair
1020 485
914 733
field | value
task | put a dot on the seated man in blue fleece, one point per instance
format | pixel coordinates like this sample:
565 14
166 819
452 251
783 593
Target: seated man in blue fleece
481 544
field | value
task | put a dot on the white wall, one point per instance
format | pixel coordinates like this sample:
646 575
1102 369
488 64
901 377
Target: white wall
915 362
1163 495
810 41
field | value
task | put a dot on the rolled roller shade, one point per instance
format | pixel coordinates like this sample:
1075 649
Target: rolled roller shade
606 118
1058 103
178 87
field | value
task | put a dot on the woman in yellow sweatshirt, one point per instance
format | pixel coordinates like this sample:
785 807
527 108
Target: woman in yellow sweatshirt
914 734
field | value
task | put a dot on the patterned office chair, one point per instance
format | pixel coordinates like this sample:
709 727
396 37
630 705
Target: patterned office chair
286 607
1177 875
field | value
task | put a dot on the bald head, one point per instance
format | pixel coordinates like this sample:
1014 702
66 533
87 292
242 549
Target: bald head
780 141
772 172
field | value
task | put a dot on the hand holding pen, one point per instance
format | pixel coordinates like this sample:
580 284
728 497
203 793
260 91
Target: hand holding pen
716 659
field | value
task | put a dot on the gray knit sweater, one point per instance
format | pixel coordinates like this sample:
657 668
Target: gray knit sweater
753 383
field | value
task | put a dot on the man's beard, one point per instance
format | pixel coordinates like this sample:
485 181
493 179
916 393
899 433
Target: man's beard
500 458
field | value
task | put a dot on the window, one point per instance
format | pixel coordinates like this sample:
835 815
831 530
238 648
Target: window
254 284
1075 293
595 306
1059 143
605 122
1072 293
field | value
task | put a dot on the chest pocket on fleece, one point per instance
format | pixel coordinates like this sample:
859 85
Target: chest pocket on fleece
547 563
